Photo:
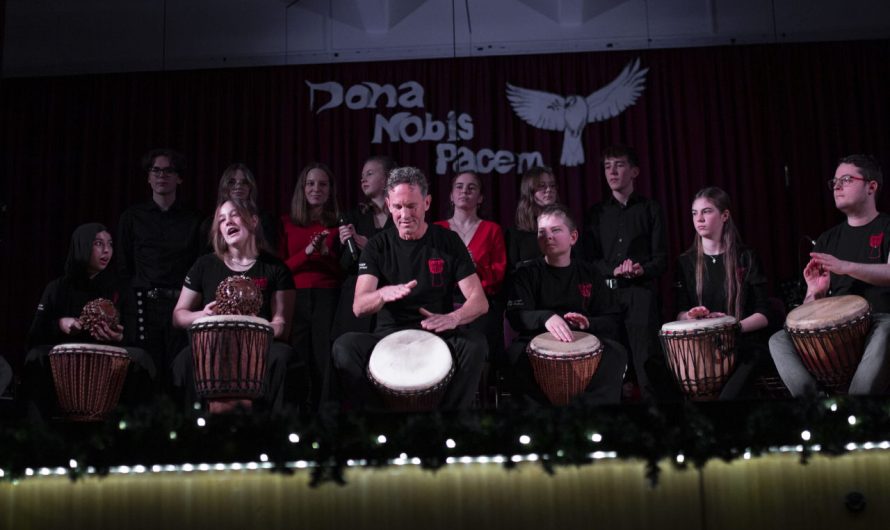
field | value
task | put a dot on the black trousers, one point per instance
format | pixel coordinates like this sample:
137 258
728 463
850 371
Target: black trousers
604 387
314 313
280 356
151 321
641 323
352 351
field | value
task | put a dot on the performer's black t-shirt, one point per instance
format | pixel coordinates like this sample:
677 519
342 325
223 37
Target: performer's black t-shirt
861 244
539 291
269 273
438 260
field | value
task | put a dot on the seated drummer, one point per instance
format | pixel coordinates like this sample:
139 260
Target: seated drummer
851 258
720 276
557 293
239 249
87 277
407 277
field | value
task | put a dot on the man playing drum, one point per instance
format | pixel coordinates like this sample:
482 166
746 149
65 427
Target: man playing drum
558 294
853 258
407 277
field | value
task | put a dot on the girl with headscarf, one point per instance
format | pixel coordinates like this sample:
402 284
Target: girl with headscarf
87 277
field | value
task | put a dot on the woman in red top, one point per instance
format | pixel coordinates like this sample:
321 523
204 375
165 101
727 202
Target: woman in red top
485 242
309 245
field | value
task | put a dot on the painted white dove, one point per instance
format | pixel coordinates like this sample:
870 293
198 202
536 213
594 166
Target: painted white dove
553 112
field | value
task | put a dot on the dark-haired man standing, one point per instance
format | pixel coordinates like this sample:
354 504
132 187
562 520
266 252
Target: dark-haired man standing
158 241
624 238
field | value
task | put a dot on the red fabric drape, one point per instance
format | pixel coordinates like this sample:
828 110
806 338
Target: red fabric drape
730 116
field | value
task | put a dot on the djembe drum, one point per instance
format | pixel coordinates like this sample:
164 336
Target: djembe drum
829 335
701 354
564 369
88 379
229 353
411 369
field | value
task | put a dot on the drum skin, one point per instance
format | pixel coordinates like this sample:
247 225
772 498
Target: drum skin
564 369
701 354
88 379
829 335
229 354
411 370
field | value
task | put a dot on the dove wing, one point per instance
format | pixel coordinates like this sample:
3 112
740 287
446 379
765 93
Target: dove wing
621 93
539 109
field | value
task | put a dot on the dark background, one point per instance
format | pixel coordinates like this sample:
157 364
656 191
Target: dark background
735 117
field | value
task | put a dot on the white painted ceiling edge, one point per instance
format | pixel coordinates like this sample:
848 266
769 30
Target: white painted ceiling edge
60 37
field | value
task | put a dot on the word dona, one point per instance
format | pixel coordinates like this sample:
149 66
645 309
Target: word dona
410 127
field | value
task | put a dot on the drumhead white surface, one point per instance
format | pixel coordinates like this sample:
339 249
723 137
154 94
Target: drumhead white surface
827 312
100 348
410 360
217 319
698 324
547 344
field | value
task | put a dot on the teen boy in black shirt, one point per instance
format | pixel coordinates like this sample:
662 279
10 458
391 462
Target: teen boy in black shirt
557 294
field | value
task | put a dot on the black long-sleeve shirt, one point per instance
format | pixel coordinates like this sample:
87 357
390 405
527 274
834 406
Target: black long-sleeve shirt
614 232
157 247
66 297
538 291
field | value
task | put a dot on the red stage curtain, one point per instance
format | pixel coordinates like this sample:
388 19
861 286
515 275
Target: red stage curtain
736 117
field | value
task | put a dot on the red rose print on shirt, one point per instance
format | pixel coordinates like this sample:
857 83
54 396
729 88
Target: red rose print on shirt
585 289
436 266
874 243
261 283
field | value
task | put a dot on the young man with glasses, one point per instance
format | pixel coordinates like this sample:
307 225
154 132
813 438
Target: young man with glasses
624 237
158 241
851 258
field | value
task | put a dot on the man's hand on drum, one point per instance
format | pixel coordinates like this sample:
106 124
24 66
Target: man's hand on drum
105 333
817 277
69 325
577 320
559 328
391 293
438 323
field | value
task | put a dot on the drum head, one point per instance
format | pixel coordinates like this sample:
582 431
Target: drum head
75 347
230 319
698 324
547 344
827 312
410 360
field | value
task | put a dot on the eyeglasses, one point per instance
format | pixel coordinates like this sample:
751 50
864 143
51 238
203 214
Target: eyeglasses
545 187
169 171
844 181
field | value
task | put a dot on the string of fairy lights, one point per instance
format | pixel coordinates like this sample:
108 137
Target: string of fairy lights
388 448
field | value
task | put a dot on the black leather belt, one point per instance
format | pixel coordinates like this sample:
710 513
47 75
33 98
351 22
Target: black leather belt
159 293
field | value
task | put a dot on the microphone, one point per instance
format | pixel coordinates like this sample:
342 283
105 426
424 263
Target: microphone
350 241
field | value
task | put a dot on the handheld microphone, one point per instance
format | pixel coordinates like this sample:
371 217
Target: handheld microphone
350 241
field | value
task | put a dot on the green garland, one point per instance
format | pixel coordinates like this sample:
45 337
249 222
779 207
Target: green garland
163 435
